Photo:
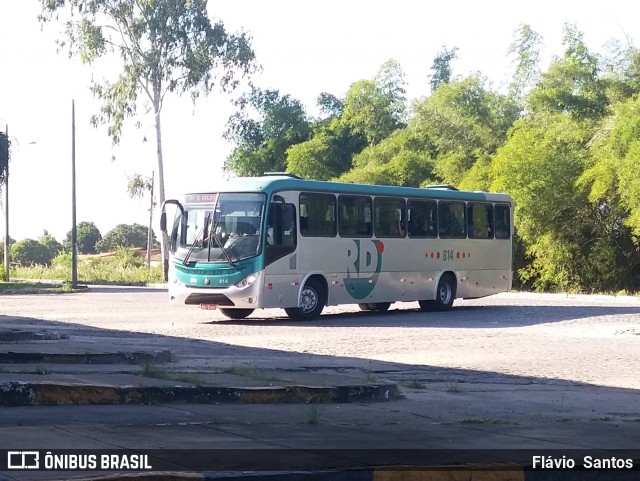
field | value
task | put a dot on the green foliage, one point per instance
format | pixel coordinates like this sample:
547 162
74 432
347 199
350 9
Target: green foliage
261 143
51 243
93 271
165 47
129 257
327 155
375 108
526 50
441 67
123 235
29 252
462 122
572 84
87 236
401 159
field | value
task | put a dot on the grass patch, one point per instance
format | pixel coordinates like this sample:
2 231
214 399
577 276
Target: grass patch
153 371
454 388
313 415
31 287
251 373
114 269
416 384
371 377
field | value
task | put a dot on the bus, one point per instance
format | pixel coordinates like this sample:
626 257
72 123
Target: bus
279 241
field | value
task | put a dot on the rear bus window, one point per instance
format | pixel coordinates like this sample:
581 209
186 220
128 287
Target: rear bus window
480 218
503 221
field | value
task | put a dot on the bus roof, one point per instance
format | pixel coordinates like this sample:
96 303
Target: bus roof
274 183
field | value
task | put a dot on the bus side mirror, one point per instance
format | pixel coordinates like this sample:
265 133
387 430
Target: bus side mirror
163 222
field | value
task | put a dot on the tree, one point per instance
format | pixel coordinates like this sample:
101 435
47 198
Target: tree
462 121
327 154
572 84
539 166
165 46
375 108
526 50
262 142
30 252
123 235
51 244
87 236
441 67
137 187
330 105
400 159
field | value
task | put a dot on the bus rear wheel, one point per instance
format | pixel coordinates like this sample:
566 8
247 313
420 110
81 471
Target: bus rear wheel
236 313
312 300
379 306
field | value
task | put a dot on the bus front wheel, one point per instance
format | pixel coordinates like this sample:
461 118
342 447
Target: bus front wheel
312 300
236 313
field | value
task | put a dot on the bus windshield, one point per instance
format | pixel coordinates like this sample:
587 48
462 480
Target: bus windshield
222 228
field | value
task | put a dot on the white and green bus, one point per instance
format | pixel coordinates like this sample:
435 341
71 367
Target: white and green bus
279 241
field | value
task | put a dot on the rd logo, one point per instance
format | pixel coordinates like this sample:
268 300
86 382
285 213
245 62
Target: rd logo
363 267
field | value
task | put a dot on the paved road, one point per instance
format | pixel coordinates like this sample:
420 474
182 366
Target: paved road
586 339
513 371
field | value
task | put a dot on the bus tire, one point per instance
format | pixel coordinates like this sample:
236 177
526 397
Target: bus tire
427 306
236 313
312 300
364 307
446 293
379 306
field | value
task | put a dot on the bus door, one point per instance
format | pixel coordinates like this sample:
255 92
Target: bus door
281 275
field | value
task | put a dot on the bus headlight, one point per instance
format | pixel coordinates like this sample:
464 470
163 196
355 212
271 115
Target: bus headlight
247 281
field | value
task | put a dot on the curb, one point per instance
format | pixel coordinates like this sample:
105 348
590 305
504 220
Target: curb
86 358
44 394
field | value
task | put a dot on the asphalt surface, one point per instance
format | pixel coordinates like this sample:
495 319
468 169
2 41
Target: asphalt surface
198 413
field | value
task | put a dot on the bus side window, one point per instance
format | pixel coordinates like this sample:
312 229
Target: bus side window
452 219
355 219
317 214
502 221
423 218
480 217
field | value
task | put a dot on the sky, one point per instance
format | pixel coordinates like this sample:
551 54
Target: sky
304 48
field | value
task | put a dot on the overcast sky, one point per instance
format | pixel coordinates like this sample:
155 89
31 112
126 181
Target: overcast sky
304 47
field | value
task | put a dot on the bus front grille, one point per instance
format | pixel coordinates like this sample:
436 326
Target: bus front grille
219 299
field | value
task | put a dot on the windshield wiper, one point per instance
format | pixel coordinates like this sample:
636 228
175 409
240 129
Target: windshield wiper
214 234
185 262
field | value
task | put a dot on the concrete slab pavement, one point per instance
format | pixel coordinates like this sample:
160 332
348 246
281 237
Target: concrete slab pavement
76 389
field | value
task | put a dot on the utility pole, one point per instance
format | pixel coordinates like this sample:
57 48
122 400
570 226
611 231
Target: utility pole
7 245
74 231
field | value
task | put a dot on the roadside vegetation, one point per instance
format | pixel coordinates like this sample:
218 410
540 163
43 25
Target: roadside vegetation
117 258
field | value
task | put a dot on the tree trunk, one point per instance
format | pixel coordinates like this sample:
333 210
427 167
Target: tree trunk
150 231
161 199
